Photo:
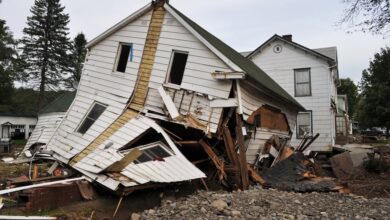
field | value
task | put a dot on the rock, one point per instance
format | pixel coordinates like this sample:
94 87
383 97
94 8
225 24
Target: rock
135 216
297 201
151 212
236 213
203 210
219 204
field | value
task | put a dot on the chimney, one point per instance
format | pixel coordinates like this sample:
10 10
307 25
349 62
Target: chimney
288 37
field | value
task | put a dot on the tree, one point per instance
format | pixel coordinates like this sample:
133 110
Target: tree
368 15
375 89
8 58
348 87
45 46
77 58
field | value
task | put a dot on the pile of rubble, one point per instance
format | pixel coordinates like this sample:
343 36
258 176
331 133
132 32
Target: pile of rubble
258 203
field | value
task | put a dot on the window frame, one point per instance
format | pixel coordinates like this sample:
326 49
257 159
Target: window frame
118 55
167 78
86 116
295 82
144 149
311 124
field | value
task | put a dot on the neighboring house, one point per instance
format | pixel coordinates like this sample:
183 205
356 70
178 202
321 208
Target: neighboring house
16 126
156 75
343 123
48 120
309 75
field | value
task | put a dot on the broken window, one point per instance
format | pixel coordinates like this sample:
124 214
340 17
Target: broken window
91 117
177 67
304 124
156 151
125 51
302 82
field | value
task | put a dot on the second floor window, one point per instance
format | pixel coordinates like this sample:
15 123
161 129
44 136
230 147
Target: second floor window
302 81
91 117
177 67
125 55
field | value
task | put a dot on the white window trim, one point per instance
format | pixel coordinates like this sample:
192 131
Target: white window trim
295 82
311 124
119 49
166 83
146 147
86 115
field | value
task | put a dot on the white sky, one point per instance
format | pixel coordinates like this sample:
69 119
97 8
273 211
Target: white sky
242 24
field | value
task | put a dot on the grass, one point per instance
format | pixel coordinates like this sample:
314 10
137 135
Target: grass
381 143
19 142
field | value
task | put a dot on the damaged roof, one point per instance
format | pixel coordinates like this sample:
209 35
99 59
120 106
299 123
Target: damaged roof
245 64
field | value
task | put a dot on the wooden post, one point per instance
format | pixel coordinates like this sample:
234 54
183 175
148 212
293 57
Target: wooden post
241 145
35 172
229 145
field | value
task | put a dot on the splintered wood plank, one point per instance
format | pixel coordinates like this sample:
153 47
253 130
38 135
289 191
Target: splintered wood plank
217 162
241 146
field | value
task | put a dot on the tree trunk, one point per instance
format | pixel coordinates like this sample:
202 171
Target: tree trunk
42 87
387 132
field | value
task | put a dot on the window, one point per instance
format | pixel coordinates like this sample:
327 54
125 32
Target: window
91 117
152 152
302 82
125 51
304 124
341 128
177 67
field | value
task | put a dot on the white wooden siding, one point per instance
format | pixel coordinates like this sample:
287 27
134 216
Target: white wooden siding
201 61
280 66
256 144
174 168
99 83
45 128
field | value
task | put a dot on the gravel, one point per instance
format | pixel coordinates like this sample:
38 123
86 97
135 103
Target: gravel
258 203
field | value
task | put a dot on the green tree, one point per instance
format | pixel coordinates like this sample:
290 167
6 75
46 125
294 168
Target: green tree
348 87
368 15
45 46
8 58
375 89
77 58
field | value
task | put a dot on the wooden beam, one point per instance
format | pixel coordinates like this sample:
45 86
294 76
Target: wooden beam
229 146
125 161
241 145
254 175
217 162
187 142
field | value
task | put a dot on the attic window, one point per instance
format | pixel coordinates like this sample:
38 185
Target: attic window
91 117
177 67
125 51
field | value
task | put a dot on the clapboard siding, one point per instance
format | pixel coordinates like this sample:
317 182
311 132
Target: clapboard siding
280 66
256 144
100 83
45 128
200 64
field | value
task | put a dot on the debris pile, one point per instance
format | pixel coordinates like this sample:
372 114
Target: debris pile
258 203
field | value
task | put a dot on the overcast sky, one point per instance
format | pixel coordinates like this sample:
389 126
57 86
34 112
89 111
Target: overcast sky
242 24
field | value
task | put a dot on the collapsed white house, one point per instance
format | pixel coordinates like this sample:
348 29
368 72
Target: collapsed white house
157 82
